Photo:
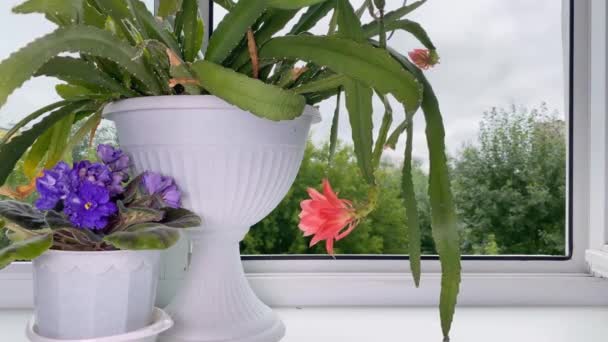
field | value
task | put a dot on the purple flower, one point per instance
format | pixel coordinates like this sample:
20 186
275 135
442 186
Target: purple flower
98 174
114 158
89 206
156 184
53 186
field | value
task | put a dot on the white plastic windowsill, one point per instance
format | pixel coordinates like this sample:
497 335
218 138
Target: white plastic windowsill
498 324
598 262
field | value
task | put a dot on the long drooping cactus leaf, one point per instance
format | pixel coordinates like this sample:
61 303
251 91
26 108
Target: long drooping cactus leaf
261 99
11 151
358 96
359 106
407 25
393 138
61 12
232 29
333 136
21 65
311 17
28 249
59 139
360 61
443 213
35 115
193 30
411 204
387 121
32 160
79 72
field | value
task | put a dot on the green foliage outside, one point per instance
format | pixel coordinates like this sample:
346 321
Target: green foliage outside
509 188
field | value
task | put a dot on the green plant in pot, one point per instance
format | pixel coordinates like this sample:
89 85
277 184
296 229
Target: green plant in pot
250 91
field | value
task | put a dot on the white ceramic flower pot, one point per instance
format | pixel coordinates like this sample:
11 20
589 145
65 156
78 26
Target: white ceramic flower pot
234 169
81 295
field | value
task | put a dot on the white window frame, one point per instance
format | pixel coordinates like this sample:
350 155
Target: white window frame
326 282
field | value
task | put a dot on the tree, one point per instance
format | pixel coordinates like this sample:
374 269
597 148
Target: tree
510 187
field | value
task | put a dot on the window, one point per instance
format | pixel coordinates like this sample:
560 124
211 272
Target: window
504 95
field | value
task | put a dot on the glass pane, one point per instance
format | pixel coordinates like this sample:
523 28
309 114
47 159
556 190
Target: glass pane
501 86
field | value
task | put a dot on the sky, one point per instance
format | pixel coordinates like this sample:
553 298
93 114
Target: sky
494 53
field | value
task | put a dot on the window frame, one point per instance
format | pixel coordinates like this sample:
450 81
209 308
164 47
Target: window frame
510 280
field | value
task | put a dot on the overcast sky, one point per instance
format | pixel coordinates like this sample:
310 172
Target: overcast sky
493 53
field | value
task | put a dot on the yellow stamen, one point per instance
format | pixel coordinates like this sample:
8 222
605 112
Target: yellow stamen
88 205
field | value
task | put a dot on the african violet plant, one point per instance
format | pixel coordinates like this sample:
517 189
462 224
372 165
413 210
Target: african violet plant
92 206
118 49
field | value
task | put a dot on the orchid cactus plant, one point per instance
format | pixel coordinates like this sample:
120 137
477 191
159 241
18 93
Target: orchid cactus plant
118 49
94 206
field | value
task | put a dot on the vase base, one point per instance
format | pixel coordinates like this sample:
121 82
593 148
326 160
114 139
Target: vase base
273 334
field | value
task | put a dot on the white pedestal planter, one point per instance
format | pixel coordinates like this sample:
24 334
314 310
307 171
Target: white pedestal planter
82 295
234 169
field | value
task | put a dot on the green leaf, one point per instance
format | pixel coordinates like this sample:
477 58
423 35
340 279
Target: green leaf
263 100
371 66
443 213
331 82
233 28
194 30
403 11
406 25
387 121
145 236
128 217
26 250
393 138
311 17
59 139
21 65
12 151
168 7
359 106
35 115
349 25
154 29
181 218
411 205
61 12
122 16
292 4
88 127
276 21
22 214
75 92
79 72
333 136
36 154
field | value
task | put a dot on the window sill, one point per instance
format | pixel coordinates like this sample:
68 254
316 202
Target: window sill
415 324
598 262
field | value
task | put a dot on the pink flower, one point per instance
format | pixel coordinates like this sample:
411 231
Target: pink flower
424 59
327 217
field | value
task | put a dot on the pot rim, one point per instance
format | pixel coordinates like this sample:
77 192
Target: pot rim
178 102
